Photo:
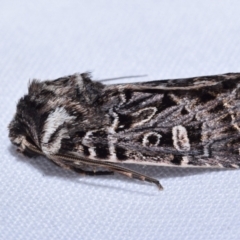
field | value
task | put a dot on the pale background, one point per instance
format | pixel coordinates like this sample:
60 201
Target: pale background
164 39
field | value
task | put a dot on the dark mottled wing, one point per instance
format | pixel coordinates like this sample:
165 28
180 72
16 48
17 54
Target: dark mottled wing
81 124
183 122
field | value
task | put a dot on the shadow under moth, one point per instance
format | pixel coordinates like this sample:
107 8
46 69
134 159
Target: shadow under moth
92 128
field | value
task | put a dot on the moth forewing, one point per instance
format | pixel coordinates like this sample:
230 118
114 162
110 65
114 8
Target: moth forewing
76 122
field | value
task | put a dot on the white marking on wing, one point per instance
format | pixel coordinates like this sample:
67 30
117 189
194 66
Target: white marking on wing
55 119
154 110
180 138
145 140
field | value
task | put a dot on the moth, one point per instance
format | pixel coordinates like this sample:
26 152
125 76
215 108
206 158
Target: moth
91 128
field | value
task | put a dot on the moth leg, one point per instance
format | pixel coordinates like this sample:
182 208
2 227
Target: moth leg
121 170
110 166
125 172
78 169
67 162
61 164
130 173
90 173
141 177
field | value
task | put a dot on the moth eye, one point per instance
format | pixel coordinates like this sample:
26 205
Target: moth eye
16 144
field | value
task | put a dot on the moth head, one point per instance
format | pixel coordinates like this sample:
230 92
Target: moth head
44 117
23 127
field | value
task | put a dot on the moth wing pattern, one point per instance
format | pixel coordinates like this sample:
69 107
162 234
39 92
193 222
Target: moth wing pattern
187 122
190 122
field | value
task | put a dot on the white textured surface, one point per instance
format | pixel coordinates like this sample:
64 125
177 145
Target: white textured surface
164 39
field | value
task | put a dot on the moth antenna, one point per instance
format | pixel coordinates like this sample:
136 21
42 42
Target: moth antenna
124 77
